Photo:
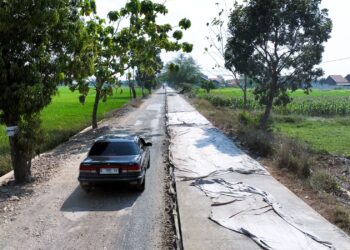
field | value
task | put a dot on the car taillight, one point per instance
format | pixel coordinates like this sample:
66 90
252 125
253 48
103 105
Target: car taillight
87 169
133 168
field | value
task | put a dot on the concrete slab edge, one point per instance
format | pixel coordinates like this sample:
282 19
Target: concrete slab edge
172 191
6 177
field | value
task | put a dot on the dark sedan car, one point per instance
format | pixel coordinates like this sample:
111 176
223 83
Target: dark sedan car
116 159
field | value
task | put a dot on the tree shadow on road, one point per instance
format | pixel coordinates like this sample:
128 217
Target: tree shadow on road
108 197
213 137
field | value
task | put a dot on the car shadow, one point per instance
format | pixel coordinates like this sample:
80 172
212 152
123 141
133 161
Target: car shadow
111 197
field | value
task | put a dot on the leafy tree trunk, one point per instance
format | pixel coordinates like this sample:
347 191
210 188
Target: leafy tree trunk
21 162
266 115
269 103
95 108
143 90
133 91
244 89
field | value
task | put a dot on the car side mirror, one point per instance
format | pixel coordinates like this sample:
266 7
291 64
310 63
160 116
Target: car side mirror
148 144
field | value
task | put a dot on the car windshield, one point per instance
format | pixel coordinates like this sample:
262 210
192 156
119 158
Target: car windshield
106 148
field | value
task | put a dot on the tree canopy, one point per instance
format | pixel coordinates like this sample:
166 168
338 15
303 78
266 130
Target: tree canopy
277 43
42 44
132 46
147 79
183 69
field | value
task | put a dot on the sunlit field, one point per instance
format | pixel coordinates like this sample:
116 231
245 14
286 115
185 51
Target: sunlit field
321 119
65 116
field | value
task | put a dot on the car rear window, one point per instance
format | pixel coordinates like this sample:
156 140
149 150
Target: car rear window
114 148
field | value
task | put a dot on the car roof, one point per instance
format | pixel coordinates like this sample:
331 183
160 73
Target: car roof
118 137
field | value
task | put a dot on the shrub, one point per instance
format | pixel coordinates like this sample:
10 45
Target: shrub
259 141
325 181
288 118
185 88
5 164
218 101
247 118
294 157
341 217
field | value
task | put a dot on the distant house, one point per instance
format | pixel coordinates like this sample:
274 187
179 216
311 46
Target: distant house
232 82
217 81
204 77
347 77
336 80
214 80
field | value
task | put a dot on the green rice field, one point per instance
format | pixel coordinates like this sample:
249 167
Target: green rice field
320 119
65 116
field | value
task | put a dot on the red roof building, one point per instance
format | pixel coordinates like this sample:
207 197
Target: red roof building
336 80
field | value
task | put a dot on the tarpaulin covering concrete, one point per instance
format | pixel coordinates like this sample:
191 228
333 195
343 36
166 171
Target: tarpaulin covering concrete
207 152
198 149
255 213
199 152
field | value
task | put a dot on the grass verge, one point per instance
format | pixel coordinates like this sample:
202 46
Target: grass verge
64 117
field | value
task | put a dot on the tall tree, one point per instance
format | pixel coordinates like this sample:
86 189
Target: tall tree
208 85
147 79
277 43
39 42
144 53
119 49
109 58
183 69
217 39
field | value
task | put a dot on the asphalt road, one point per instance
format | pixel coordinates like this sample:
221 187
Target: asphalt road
60 215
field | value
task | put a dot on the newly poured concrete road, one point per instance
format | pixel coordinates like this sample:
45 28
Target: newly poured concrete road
227 200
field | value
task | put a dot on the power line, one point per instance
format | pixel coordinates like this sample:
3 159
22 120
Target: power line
337 60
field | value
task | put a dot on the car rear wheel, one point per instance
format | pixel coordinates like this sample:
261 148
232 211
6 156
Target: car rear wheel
86 187
141 185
